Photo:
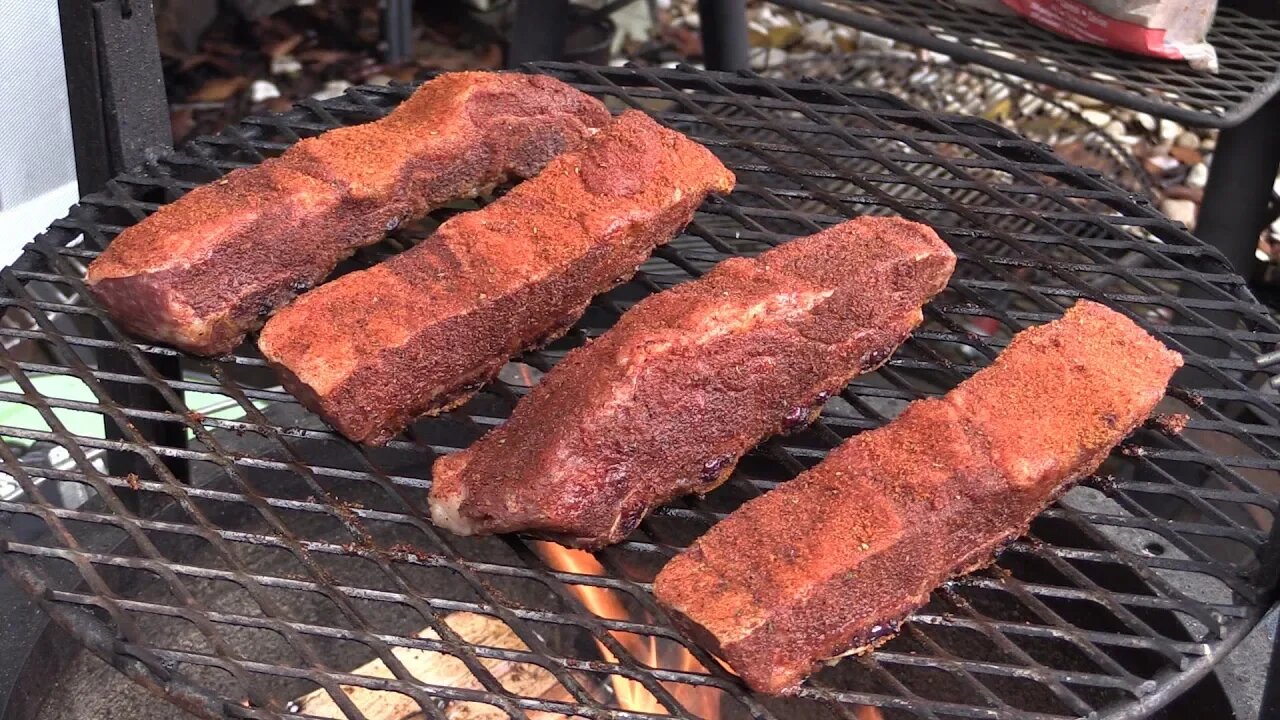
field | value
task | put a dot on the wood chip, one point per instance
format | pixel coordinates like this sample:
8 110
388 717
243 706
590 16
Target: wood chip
1183 211
442 669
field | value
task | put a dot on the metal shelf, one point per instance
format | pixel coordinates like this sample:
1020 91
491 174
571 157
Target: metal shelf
1248 52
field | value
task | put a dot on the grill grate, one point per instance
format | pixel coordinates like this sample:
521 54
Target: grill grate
969 90
1248 55
291 556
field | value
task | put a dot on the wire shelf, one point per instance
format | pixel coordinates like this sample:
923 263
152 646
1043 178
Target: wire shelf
1248 54
253 555
953 88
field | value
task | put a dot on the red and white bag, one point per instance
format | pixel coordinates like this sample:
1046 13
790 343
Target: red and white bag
1171 29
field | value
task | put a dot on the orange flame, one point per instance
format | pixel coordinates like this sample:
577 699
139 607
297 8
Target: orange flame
631 695
868 712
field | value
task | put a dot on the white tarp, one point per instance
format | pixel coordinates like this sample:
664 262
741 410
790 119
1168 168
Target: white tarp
37 159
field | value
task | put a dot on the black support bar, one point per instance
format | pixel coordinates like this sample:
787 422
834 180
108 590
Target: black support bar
724 34
1270 705
119 121
115 87
538 32
397 29
137 109
1239 192
84 93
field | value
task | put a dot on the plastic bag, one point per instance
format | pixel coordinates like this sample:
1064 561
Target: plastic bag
1171 29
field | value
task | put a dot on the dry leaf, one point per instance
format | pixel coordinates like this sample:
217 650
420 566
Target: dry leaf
323 57
1188 156
223 47
685 41
219 89
283 47
404 73
192 61
1182 192
279 104
182 121
1158 165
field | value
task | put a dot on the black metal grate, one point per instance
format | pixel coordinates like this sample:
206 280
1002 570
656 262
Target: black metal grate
292 557
969 90
1248 55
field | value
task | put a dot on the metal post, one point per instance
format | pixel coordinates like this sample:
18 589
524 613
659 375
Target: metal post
397 29
1270 705
119 120
724 34
119 117
135 107
84 93
115 87
36 652
1271 692
1235 204
538 31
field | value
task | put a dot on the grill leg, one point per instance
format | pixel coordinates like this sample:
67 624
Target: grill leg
1271 692
538 32
119 119
1239 190
115 87
397 29
167 434
724 34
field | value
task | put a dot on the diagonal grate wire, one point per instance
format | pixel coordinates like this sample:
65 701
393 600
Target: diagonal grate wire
286 558
1248 53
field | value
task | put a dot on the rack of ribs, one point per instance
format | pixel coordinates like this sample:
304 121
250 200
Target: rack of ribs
420 333
203 271
666 402
835 559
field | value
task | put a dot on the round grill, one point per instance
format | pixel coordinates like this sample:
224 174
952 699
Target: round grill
189 522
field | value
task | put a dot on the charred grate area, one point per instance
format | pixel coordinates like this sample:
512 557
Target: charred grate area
253 557
1248 55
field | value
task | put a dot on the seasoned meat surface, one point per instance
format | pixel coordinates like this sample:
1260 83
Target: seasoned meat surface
418 334
689 380
834 559
208 268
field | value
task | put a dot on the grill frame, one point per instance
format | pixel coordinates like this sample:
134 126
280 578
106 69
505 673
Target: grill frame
884 126
1246 48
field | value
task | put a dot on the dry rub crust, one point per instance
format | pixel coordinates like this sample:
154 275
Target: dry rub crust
834 559
203 271
666 402
419 333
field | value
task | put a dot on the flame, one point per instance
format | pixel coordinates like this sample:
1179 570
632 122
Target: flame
631 695
868 712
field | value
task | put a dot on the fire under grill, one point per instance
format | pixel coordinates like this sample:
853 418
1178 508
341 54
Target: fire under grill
210 538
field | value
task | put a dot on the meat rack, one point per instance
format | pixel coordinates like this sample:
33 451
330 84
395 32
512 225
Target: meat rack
235 561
